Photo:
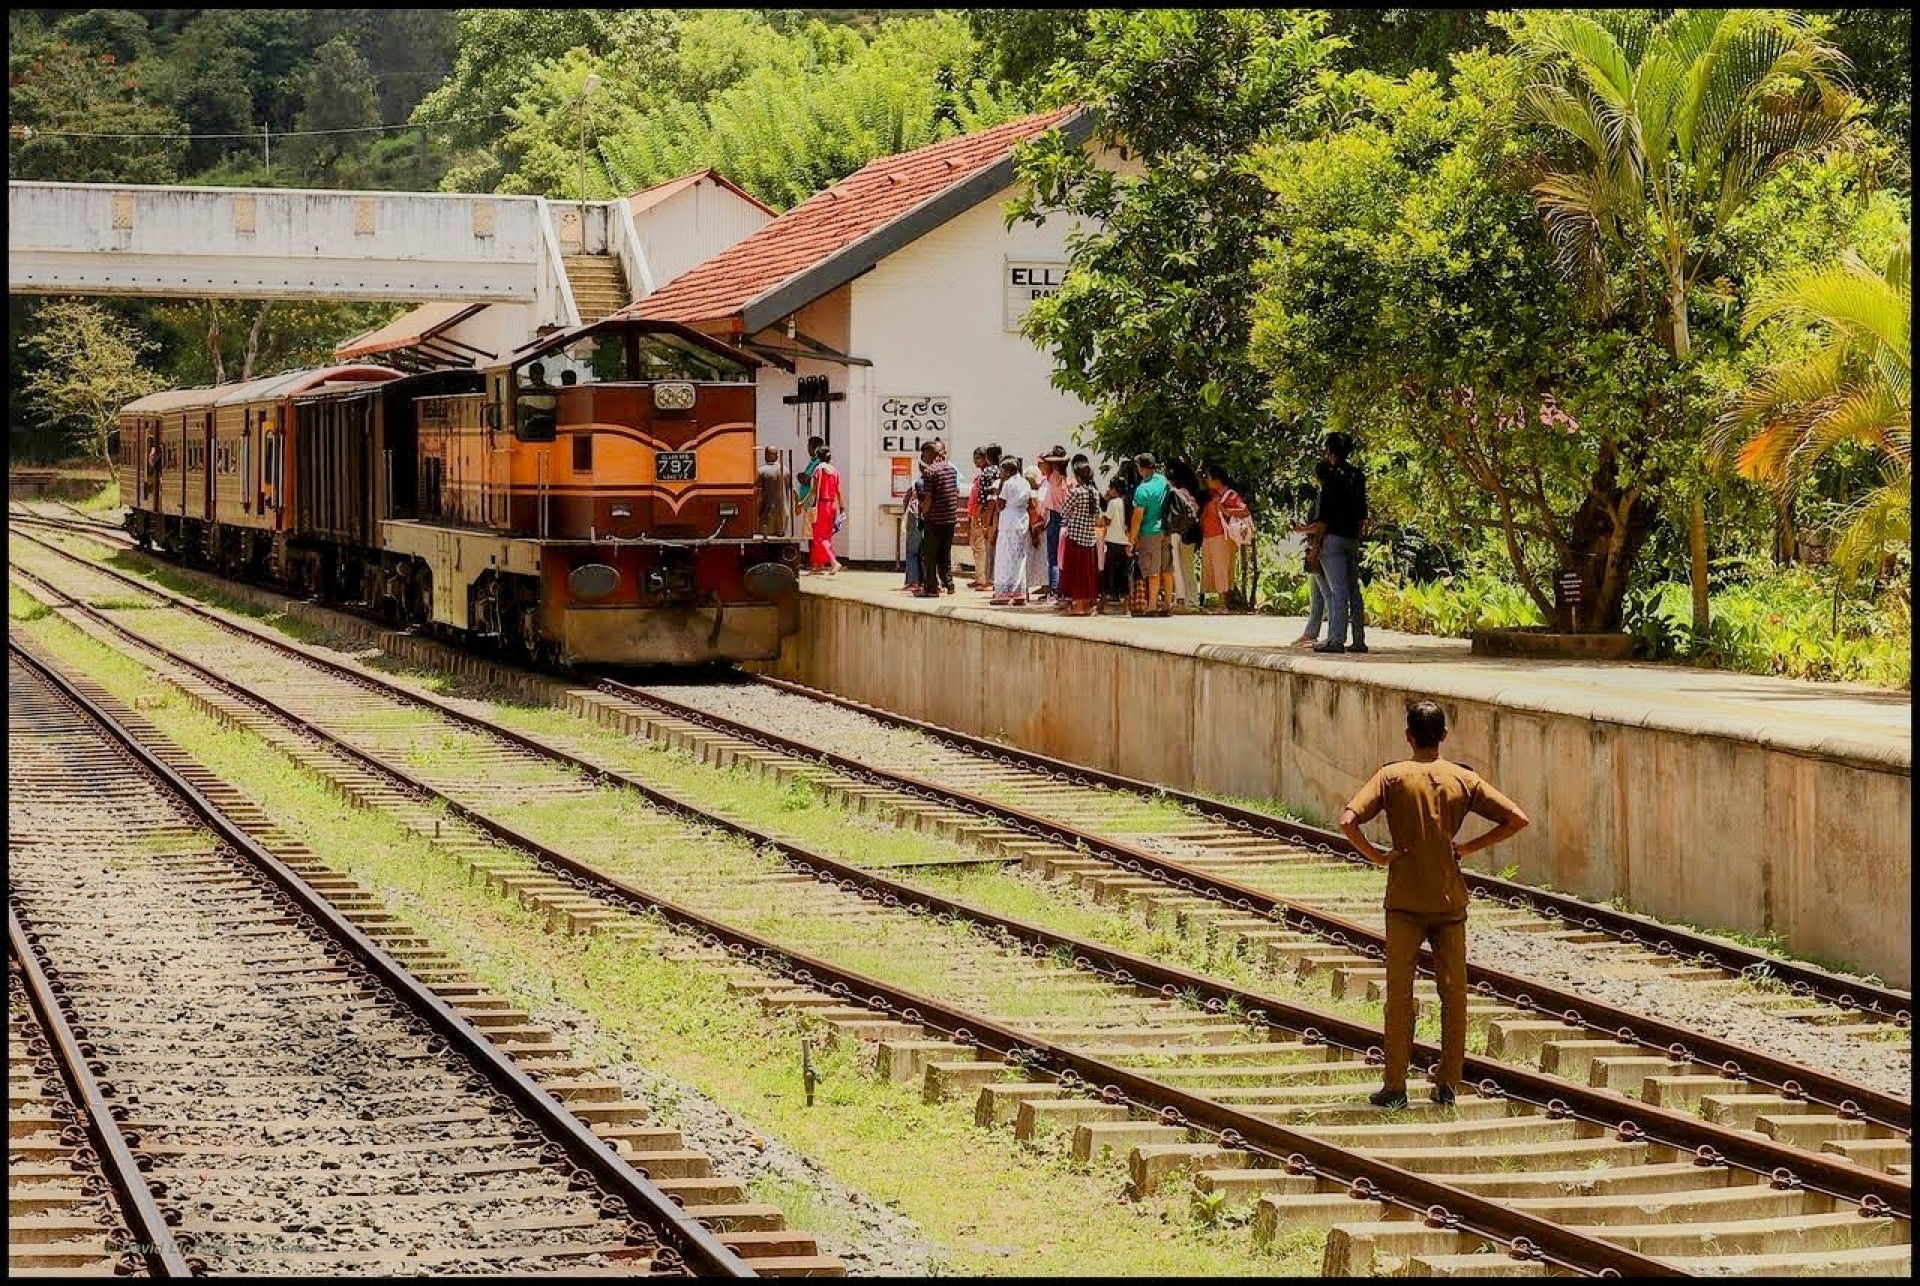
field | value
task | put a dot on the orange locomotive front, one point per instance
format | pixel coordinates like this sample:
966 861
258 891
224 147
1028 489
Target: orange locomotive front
597 503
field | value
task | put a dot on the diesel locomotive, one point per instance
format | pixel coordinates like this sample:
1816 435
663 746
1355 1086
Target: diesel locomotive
588 499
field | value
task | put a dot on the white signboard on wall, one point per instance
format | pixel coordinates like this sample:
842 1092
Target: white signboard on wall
1027 280
909 419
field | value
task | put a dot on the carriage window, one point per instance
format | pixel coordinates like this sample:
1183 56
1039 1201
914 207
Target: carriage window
583 453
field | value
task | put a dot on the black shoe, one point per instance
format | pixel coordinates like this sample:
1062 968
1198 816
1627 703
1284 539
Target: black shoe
1443 1095
1329 647
1356 647
1392 1100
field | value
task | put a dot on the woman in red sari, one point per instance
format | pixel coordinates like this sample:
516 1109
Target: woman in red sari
826 514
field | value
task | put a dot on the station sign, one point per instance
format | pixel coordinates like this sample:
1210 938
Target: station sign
907 420
1026 280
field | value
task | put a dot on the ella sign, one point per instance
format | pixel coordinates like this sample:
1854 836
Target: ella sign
1028 280
909 419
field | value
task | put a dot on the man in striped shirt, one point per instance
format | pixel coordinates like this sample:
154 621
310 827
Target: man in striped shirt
939 513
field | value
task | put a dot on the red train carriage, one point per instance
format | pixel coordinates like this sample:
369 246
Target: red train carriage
589 499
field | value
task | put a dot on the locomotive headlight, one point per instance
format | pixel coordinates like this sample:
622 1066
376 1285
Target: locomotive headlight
622 511
729 511
675 396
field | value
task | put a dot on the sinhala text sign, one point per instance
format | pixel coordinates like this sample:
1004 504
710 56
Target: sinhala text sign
909 419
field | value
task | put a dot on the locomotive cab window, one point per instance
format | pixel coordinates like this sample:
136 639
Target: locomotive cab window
536 408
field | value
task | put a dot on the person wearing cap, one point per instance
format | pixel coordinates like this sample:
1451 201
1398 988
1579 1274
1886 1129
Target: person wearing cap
1053 503
1426 800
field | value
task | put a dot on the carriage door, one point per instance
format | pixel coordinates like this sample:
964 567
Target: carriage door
207 469
186 432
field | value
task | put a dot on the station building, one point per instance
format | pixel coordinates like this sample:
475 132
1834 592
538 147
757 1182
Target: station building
896 295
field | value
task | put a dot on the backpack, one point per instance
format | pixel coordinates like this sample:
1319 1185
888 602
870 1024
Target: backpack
1180 513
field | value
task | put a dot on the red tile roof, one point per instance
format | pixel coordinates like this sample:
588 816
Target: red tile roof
834 220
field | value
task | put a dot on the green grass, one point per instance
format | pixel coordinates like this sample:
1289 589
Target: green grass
108 497
993 1206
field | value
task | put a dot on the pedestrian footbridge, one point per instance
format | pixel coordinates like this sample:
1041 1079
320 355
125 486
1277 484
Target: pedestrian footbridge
276 243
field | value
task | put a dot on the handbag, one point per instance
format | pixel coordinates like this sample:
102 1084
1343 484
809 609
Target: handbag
1239 530
1036 521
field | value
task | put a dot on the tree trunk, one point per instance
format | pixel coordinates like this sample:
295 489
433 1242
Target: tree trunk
1605 538
1697 520
213 342
105 443
253 339
1697 560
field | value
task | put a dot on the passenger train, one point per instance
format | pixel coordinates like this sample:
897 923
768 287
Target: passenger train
588 499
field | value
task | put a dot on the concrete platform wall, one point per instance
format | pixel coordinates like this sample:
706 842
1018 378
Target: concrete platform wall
1701 828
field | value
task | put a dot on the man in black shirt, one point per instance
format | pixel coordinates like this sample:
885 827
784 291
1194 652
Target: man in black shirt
939 513
1343 508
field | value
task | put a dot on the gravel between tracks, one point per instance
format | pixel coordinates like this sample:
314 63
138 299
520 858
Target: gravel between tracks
1883 1065
873 1239
163 959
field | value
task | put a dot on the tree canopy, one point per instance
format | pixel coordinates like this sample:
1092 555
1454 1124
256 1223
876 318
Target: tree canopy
1151 325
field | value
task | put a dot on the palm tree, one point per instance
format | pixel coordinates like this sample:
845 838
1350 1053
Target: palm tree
1677 121
1857 387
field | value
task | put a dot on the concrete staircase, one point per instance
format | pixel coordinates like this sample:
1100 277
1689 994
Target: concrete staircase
599 287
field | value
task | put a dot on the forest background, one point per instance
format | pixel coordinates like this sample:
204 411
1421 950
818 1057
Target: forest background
1282 142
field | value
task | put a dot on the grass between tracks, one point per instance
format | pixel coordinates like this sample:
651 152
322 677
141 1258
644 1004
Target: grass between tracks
994 1206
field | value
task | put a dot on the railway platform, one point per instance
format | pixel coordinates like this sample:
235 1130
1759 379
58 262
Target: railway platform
1738 802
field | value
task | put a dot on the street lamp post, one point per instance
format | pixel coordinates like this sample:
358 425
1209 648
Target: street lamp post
592 83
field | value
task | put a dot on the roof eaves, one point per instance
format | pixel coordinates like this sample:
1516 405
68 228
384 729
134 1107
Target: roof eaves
739 191
801 289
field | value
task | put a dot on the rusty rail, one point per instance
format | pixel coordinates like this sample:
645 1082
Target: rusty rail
153 1239
1524 1235
695 1245
1708 1142
1792 1078
1804 979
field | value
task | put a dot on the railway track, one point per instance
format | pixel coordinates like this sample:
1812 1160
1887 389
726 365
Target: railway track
1221 854
338 1115
1225 896
74 1191
1232 854
1252 1095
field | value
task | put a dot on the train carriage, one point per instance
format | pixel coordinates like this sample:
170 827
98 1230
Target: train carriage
591 498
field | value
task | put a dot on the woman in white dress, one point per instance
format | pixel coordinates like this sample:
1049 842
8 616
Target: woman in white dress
1013 539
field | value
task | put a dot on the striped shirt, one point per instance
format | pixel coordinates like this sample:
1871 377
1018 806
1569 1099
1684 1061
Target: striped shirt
943 493
1082 509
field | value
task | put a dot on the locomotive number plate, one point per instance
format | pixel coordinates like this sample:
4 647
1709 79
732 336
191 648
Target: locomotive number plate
674 466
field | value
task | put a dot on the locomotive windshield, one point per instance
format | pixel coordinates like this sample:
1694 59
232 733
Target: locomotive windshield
614 352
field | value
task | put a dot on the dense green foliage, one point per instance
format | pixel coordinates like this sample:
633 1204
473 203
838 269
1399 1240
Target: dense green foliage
1152 324
783 113
1527 256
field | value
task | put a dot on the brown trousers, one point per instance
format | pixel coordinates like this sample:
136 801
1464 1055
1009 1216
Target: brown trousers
1448 937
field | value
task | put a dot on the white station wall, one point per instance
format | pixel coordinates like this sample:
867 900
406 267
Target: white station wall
932 318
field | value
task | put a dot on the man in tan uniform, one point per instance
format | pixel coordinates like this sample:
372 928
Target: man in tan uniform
1426 799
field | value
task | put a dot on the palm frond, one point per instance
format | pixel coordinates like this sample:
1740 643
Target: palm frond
1848 297
1881 522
